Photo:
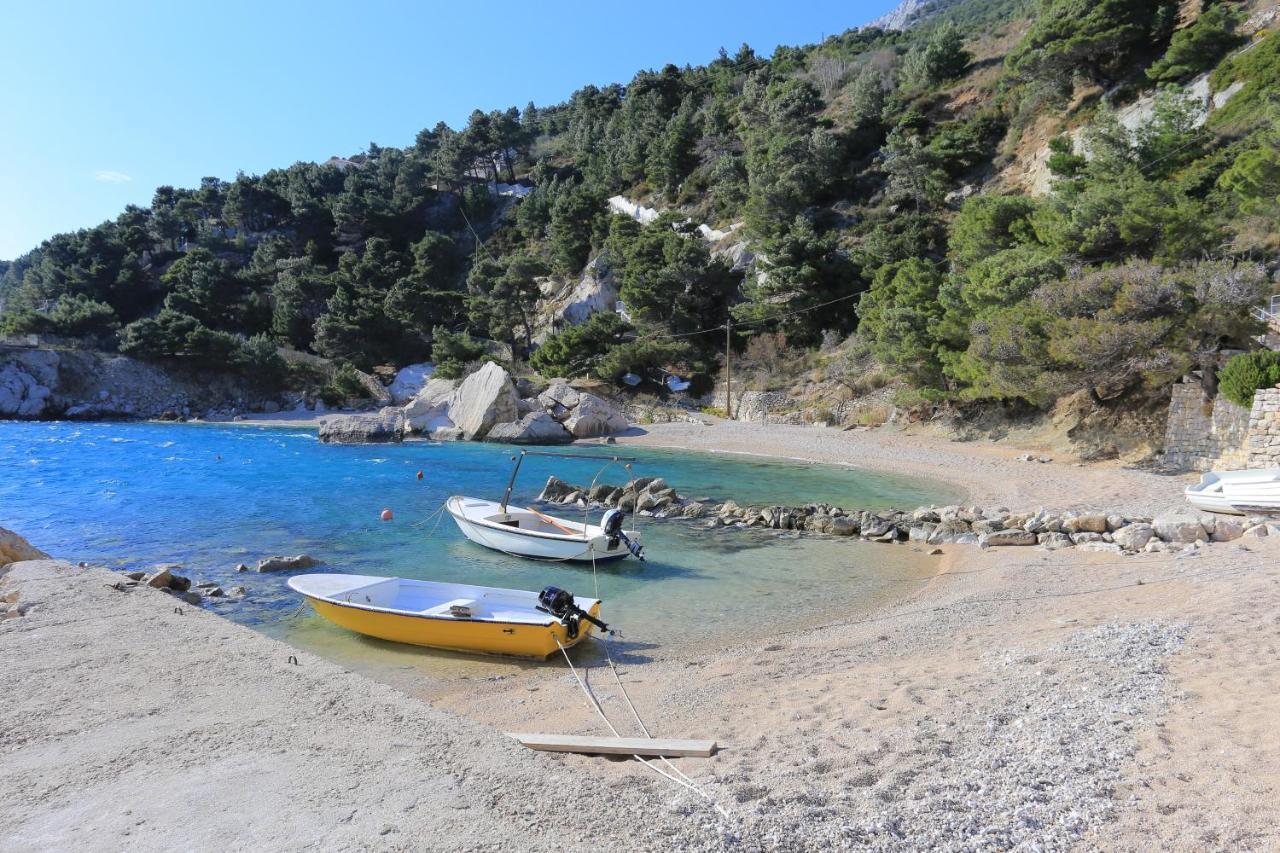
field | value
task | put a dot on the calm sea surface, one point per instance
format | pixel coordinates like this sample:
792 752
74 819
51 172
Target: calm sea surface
209 497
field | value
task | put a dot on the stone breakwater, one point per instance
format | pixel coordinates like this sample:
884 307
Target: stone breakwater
986 527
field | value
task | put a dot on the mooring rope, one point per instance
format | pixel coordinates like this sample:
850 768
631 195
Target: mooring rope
595 703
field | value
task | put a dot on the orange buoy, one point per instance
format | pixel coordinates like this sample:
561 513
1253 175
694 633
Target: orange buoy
419 475
386 515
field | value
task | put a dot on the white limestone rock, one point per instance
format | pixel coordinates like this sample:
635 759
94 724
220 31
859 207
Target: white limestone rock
533 428
409 382
594 416
485 398
384 426
429 409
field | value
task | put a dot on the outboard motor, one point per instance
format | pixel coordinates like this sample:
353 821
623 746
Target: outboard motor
560 604
611 524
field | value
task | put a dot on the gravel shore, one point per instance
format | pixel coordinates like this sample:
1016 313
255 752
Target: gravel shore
989 473
1018 699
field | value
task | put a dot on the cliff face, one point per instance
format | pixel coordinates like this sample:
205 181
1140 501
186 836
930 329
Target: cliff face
78 384
909 13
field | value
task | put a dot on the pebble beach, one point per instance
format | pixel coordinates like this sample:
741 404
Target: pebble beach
1017 698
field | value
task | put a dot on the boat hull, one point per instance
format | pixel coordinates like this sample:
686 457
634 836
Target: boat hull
457 635
1253 496
1236 492
589 545
434 614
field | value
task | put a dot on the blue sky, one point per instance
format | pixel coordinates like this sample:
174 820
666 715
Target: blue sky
102 102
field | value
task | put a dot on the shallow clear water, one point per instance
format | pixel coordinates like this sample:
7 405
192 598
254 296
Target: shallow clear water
209 497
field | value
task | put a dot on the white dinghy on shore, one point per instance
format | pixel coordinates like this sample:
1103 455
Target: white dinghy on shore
526 532
1236 492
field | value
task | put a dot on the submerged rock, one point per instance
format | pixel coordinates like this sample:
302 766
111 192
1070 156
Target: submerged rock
285 564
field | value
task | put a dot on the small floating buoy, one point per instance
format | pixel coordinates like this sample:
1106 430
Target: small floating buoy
419 475
386 515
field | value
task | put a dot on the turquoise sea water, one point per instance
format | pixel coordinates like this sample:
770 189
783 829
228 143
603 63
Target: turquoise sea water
209 497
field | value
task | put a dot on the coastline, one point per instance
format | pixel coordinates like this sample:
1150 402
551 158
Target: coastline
1014 696
988 472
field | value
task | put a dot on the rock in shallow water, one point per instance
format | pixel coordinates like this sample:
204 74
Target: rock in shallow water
284 564
385 426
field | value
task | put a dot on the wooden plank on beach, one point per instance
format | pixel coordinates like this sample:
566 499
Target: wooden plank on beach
615 745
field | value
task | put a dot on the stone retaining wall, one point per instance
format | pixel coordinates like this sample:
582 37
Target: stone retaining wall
1203 434
1263 446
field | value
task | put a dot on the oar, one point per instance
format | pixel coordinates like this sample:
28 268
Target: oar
557 525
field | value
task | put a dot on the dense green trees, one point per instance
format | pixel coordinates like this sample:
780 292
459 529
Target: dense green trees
1092 38
1198 47
842 166
578 350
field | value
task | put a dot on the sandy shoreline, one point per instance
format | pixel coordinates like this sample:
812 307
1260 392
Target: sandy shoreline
1017 698
989 473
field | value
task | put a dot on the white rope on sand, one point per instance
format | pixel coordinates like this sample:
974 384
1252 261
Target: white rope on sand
595 703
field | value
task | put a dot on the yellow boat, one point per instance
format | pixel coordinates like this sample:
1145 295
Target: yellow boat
457 617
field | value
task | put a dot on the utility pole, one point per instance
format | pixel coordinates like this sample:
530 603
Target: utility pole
728 367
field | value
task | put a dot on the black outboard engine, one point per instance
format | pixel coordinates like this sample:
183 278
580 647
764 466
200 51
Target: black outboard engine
560 604
611 524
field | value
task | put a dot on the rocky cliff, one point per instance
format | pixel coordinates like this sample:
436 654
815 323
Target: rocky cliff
79 384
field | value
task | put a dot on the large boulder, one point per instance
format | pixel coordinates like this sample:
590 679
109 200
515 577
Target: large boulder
428 411
1182 527
1133 537
594 416
999 538
559 400
533 428
409 381
386 425
13 549
1089 522
484 398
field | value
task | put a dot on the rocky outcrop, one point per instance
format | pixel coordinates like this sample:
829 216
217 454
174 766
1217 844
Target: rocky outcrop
87 385
428 411
27 382
533 428
487 406
287 564
384 426
15 549
409 382
593 416
485 398
568 304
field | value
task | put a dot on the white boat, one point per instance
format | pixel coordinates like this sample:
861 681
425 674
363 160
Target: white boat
1258 491
1236 492
529 533
526 532
461 617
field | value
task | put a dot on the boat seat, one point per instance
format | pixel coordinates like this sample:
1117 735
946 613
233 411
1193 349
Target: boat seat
460 607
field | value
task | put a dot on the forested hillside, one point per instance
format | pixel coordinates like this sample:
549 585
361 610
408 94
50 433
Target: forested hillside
877 182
